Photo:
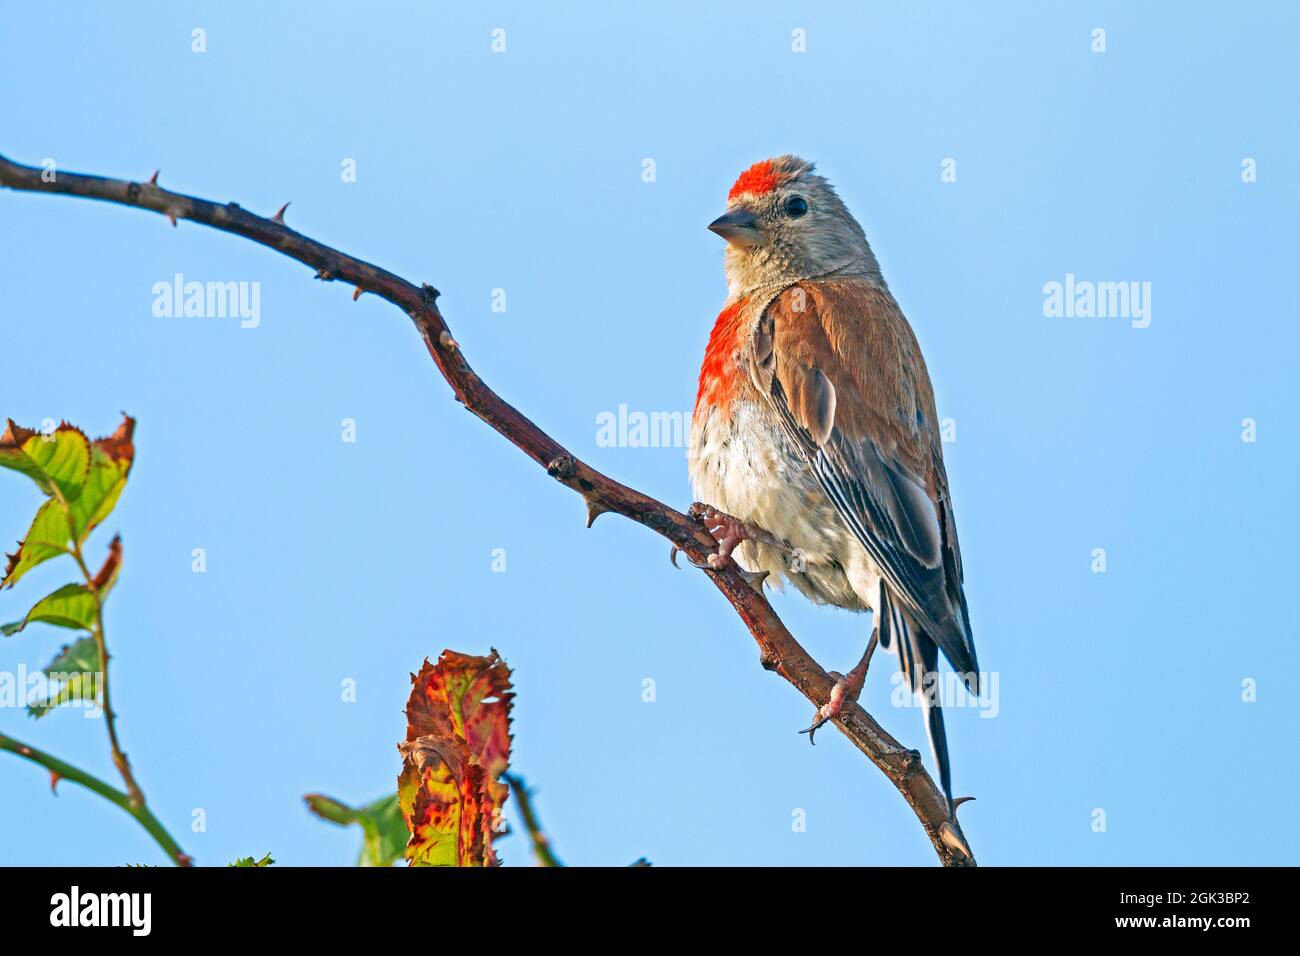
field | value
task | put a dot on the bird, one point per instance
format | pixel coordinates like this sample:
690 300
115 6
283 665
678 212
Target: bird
815 453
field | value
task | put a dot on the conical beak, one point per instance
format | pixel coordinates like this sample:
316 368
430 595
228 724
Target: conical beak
739 227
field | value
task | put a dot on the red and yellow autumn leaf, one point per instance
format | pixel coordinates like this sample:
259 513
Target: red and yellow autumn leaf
457 746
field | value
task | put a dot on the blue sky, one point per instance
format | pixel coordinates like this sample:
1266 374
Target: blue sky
522 171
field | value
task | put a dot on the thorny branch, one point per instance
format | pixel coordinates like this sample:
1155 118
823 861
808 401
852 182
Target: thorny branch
61 770
101 644
778 649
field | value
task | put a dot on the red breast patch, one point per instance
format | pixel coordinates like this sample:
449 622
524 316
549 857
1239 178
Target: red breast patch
719 373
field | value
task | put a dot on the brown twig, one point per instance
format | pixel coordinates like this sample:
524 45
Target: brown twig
778 650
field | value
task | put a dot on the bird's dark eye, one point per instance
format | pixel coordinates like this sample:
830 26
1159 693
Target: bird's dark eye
795 207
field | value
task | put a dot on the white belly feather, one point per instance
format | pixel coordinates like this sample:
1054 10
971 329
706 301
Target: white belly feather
749 469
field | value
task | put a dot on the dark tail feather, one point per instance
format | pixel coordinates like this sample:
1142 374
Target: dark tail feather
929 652
918 658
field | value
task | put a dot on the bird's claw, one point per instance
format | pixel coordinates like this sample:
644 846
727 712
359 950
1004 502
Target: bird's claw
729 532
672 556
717 562
816 725
832 707
846 690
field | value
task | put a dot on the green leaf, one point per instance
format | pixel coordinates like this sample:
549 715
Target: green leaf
47 538
249 861
385 842
74 605
384 830
57 462
110 463
73 675
85 480
327 808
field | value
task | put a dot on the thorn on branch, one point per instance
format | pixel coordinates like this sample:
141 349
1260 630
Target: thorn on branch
594 510
958 801
429 294
279 216
754 579
326 274
356 293
153 180
55 777
953 840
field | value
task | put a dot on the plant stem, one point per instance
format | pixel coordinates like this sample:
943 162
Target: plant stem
110 719
143 815
541 845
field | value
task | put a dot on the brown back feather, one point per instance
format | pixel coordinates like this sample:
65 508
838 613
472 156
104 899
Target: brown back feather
840 364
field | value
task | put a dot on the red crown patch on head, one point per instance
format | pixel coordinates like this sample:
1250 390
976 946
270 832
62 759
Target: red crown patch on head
760 178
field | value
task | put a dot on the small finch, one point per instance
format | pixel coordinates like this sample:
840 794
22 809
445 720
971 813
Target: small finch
815 450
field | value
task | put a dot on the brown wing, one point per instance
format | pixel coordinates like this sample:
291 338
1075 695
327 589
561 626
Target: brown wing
841 367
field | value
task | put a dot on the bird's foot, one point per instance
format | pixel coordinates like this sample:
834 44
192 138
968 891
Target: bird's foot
728 532
846 690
